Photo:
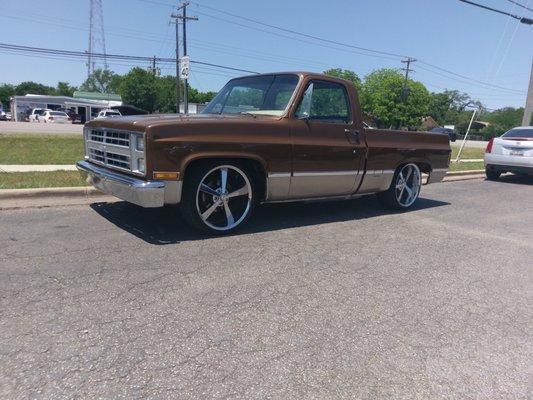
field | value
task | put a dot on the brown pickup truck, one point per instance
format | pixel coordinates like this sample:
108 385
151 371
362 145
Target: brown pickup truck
263 138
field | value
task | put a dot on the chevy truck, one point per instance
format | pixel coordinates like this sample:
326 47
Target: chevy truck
264 138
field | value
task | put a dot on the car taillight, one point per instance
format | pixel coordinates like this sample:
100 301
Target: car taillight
489 146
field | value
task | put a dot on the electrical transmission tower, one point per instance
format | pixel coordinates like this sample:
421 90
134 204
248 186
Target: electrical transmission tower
96 35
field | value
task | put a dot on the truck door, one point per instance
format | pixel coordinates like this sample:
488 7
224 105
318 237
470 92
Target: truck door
328 150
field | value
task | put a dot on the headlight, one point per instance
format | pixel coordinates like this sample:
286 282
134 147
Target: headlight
139 143
140 165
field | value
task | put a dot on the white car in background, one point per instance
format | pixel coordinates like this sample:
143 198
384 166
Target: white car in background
5 116
35 113
55 117
511 152
104 114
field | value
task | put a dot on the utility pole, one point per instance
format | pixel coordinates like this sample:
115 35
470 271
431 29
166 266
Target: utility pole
528 109
152 67
176 19
184 19
407 69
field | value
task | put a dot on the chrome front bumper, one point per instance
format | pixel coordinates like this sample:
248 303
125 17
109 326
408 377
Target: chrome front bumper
143 193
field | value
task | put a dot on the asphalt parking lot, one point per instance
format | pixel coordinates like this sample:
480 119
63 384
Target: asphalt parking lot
312 301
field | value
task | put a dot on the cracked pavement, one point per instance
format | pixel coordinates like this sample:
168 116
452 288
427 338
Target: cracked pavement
330 300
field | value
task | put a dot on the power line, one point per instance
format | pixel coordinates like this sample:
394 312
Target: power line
428 64
523 20
520 5
70 53
469 79
297 39
301 33
485 84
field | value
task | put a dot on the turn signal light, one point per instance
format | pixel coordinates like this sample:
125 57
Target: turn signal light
166 175
489 146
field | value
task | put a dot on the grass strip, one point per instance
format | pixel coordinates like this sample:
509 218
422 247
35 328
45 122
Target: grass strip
467 166
27 180
468 153
23 149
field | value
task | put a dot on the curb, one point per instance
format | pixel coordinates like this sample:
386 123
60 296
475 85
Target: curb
10 194
465 173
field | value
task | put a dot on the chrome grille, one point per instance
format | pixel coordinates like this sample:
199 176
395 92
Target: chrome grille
115 149
111 137
117 160
96 155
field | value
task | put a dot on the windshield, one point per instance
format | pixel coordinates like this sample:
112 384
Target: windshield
58 113
261 95
519 133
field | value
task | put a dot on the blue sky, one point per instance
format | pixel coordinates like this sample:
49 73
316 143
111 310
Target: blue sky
445 33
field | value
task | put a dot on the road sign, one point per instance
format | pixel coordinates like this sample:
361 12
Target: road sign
184 67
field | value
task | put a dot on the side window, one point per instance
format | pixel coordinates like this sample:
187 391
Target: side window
325 101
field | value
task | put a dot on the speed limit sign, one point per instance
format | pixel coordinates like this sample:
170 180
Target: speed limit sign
184 67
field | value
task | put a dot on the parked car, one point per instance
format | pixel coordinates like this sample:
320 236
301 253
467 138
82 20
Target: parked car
5 116
450 132
55 117
511 152
74 117
35 113
263 138
108 114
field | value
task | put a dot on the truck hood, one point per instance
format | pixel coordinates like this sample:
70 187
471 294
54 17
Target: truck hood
141 122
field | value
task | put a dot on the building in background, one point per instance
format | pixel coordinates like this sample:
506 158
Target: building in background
86 108
86 104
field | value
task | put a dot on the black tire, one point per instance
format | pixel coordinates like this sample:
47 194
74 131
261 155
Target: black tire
492 175
193 200
391 198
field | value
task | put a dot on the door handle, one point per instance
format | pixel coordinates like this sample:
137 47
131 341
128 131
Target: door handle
353 135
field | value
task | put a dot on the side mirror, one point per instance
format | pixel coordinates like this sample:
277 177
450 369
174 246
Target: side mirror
303 117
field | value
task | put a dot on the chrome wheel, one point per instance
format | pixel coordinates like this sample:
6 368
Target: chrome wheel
224 197
408 183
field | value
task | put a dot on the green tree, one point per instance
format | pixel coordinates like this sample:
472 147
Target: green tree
196 96
64 89
102 81
345 74
450 107
6 91
166 94
387 99
139 88
30 87
501 121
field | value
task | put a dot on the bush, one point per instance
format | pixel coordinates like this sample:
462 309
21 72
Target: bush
493 130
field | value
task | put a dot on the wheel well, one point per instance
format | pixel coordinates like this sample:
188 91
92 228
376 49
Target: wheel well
253 167
424 167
